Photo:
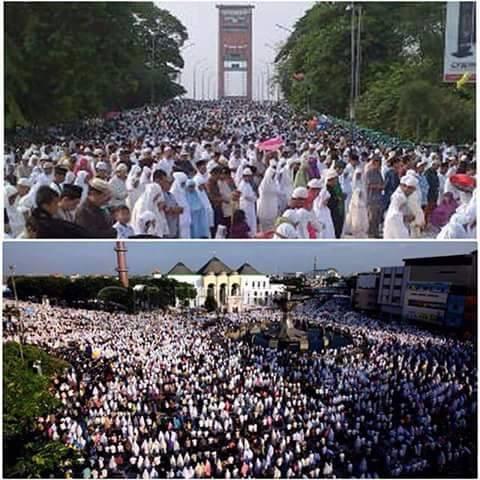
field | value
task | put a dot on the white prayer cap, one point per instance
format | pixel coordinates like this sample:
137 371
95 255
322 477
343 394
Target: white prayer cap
121 167
24 182
315 183
300 193
101 166
44 157
285 230
205 156
292 160
98 151
157 151
291 215
329 174
10 190
247 171
233 164
180 177
409 181
147 150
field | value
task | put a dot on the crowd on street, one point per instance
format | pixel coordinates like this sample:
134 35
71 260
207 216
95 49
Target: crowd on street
165 395
229 169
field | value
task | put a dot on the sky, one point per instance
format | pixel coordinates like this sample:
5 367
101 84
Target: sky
201 21
90 257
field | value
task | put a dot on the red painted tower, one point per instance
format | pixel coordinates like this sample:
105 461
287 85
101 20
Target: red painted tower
235 51
122 269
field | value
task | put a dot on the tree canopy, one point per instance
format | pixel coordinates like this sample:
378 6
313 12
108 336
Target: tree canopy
68 60
401 87
158 292
27 396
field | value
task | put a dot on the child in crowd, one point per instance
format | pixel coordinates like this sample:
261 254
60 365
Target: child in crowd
239 227
122 224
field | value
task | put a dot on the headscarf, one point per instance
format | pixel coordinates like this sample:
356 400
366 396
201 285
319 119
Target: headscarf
16 219
145 217
285 230
179 193
199 180
148 202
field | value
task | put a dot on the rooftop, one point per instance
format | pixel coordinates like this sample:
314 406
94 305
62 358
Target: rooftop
466 259
180 269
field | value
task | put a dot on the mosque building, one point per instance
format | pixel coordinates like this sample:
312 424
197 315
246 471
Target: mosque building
234 290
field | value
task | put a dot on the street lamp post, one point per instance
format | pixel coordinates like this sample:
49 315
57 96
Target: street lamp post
263 84
20 320
283 27
268 78
211 90
355 57
182 49
203 81
195 77
152 91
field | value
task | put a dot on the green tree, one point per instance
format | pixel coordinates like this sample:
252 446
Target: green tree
117 296
401 88
26 396
185 292
56 73
211 304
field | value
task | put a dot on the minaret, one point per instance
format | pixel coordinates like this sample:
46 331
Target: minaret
122 269
314 266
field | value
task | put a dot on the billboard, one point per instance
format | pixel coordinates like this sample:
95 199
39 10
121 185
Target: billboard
426 301
460 41
235 19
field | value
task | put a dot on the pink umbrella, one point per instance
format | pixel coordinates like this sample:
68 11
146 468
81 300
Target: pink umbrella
271 144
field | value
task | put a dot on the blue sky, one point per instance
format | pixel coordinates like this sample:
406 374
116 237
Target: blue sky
34 257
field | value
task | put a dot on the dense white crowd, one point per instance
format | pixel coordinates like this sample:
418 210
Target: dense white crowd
231 170
162 395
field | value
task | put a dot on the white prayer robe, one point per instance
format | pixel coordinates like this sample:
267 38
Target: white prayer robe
267 205
247 204
394 225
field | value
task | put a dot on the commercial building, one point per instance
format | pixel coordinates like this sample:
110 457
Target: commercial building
365 295
442 291
234 290
391 291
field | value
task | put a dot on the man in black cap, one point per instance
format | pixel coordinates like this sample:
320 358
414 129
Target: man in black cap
69 201
44 221
59 174
91 214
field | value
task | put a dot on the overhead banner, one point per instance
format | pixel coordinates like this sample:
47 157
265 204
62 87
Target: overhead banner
460 42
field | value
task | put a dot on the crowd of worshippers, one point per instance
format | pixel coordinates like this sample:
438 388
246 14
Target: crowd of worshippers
201 170
155 395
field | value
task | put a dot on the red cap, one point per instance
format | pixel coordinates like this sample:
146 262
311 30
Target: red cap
463 181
